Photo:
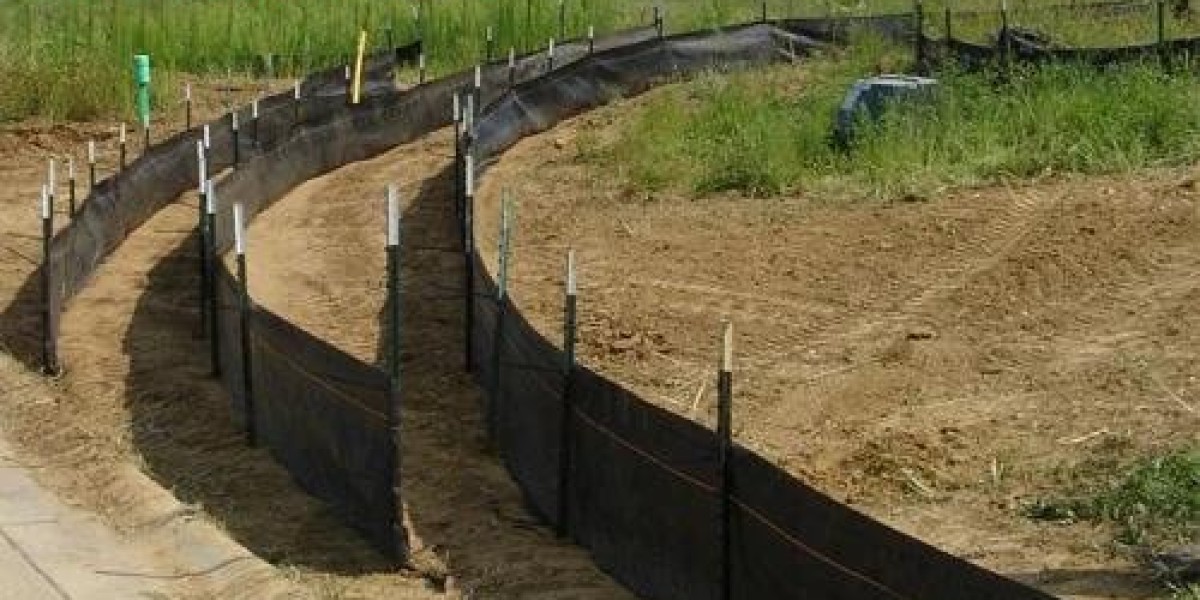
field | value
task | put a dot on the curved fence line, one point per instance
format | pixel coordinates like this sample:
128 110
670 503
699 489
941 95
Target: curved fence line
645 487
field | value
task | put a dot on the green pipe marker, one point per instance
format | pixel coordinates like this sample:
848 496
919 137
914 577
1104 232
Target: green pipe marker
141 76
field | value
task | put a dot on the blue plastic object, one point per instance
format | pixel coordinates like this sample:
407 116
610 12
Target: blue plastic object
871 95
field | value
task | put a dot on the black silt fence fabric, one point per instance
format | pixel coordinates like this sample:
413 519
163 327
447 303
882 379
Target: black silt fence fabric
324 416
643 494
780 523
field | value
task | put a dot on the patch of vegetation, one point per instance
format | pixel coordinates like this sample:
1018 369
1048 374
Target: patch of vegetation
768 133
71 58
1154 502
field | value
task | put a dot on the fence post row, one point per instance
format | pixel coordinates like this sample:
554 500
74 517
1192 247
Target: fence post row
210 261
239 244
724 454
49 343
562 19
501 312
563 528
394 337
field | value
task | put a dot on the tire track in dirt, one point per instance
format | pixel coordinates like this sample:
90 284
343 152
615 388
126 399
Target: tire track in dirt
470 528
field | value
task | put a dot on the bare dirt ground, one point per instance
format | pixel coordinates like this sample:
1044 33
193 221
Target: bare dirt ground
935 364
317 258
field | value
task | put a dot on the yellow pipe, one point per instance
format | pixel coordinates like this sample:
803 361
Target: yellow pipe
358 67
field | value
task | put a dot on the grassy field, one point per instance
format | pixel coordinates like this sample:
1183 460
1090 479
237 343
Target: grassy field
70 59
768 133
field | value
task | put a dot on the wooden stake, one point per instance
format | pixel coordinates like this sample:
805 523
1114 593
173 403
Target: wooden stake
563 524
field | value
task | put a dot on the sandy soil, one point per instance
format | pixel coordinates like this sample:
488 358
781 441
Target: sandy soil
936 363
317 258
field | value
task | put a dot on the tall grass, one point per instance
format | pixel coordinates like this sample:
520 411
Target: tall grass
71 58
768 133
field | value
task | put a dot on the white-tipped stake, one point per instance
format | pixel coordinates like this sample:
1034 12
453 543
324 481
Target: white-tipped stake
207 138
70 168
296 90
469 173
727 348
421 62
45 202
50 176
591 33
239 234
187 92
393 216
572 280
512 57
478 76
234 120
550 50
91 152
490 37
210 198
457 108
347 72
201 164
469 112
121 135
416 13
254 109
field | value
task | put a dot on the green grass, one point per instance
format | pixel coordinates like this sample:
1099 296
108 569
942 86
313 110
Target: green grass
71 58
1155 501
767 133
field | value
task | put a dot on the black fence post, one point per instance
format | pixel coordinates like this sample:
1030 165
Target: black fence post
563 525
239 242
71 186
658 21
512 66
1005 37
919 42
202 233
949 31
210 259
296 116
91 151
762 15
121 143
421 68
234 132
394 337
254 123
145 134
591 39
501 312
187 106
49 343
550 56
468 250
456 102
562 19
724 454
490 46
477 92
1160 13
